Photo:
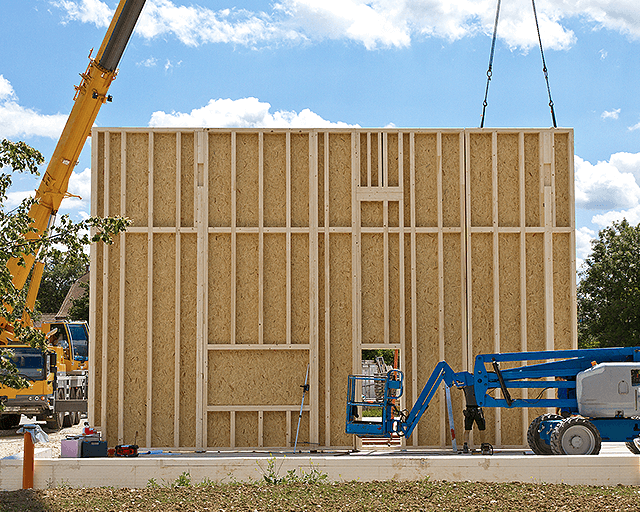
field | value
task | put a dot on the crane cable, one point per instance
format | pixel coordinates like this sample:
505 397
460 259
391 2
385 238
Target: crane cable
544 66
490 69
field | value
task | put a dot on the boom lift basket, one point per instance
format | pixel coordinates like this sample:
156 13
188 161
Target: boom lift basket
381 421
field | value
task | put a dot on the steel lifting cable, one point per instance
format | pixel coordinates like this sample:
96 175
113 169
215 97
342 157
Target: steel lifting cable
490 70
544 66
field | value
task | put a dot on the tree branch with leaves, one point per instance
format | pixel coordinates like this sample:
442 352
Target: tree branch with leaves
64 242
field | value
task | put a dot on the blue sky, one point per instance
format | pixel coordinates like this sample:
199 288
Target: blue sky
316 63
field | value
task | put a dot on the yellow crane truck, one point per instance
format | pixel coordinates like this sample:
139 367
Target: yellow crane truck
58 376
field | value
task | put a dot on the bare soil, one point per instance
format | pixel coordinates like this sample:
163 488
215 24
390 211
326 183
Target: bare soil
325 497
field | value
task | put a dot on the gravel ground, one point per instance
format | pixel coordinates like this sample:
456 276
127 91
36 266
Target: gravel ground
11 443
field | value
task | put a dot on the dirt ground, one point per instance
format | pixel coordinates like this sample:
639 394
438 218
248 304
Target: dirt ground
328 497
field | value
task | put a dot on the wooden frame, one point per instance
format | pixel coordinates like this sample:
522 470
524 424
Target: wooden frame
291 248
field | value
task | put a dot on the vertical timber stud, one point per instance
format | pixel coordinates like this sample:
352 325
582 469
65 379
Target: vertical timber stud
105 292
572 247
383 166
260 250
356 326
414 290
313 290
464 349
441 351
466 275
121 304
93 278
327 299
496 269
178 280
202 219
234 162
150 292
401 295
546 151
523 270
288 237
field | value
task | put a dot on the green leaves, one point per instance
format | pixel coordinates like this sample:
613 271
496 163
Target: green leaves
64 245
609 290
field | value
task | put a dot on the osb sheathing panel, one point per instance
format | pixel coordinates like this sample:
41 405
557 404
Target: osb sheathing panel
163 353
135 328
469 268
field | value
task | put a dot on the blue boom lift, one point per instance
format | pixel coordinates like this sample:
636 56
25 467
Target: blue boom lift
597 392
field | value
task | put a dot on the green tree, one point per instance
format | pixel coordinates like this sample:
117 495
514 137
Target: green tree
609 289
58 277
63 243
80 308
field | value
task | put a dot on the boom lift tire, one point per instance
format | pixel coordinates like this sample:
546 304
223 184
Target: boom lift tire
575 436
537 445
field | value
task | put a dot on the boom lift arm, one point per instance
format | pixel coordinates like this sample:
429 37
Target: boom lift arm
560 374
89 97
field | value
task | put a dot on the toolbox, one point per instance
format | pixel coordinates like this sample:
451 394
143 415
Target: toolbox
94 448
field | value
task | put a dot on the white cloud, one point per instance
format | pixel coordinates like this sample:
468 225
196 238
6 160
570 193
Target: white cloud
607 185
606 219
603 54
6 89
86 11
18 121
15 197
584 235
374 24
611 114
635 127
242 113
148 63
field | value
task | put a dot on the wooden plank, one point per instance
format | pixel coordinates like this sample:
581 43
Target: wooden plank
93 279
385 237
414 290
201 216
327 300
150 292
177 332
105 294
313 289
121 302
441 346
288 234
260 240
401 269
496 271
523 269
234 265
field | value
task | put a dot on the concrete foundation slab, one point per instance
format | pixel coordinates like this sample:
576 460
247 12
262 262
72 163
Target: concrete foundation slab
615 465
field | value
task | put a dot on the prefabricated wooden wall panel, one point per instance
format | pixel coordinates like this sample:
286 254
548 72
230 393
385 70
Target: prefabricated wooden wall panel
258 255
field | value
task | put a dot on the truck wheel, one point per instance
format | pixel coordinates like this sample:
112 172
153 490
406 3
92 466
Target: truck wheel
56 421
77 395
575 436
537 445
632 447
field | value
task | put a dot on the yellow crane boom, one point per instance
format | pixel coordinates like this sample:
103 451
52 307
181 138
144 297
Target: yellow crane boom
89 97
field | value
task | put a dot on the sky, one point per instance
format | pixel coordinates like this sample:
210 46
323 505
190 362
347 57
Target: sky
321 63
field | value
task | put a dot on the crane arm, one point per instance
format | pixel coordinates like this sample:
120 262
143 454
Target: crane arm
89 97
